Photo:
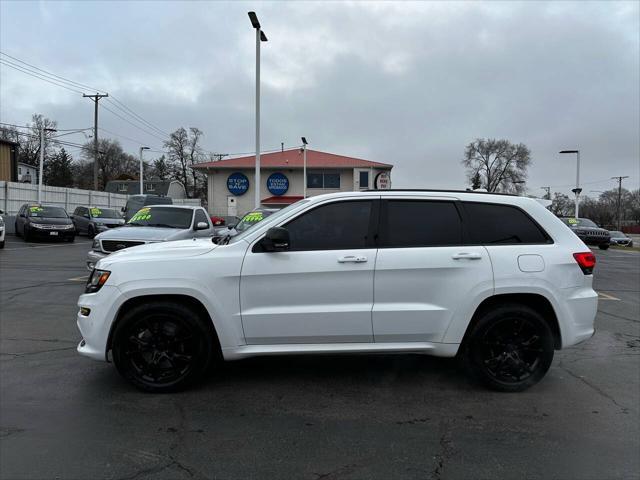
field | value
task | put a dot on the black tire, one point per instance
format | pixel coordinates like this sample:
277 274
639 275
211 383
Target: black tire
604 246
510 348
163 346
71 239
25 235
2 244
15 229
90 231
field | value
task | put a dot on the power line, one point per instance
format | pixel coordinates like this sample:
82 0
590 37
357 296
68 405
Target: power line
123 136
133 124
38 76
151 125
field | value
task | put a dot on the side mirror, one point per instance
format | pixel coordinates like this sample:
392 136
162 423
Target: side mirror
22 215
231 226
1 211
202 226
276 240
123 209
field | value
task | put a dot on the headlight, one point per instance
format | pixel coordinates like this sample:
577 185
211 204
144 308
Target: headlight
95 245
99 224
96 280
68 227
1 221
37 225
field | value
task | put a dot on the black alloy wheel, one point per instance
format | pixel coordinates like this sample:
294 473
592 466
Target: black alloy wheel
162 347
91 232
510 348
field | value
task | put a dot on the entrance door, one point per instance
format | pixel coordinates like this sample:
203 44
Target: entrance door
321 289
232 206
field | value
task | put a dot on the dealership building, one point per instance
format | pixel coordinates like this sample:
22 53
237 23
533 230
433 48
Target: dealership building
231 186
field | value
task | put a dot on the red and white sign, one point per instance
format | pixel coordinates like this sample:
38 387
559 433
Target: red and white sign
383 181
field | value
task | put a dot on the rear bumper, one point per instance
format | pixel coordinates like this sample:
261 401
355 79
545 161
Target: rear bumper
578 324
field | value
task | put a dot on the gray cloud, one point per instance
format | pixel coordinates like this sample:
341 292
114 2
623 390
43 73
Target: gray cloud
406 83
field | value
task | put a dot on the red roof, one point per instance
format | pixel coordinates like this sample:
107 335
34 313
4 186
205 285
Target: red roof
281 200
293 159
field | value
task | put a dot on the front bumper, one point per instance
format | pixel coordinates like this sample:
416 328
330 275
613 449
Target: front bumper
92 258
96 326
52 234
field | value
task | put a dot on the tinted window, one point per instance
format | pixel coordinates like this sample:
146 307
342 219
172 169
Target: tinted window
314 180
341 225
251 218
500 224
364 179
331 180
409 223
201 217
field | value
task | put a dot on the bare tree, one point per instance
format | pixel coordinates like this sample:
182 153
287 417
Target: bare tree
194 155
500 164
177 148
112 160
561 205
29 150
160 168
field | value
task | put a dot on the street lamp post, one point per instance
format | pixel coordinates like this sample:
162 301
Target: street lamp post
304 167
41 166
142 170
260 37
576 190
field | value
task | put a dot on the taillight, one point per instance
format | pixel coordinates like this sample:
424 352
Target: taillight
586 261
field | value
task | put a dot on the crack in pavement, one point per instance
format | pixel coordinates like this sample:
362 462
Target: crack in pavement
343 470
51 340
24 354
595 388
446 451
619 316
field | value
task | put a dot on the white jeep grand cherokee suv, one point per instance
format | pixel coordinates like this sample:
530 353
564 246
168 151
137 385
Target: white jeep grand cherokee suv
497 280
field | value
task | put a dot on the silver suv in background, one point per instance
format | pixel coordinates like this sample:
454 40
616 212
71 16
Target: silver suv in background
93 220
152 224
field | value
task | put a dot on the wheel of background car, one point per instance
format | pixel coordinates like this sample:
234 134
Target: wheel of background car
2 244
91 232
603 247
26 235
510 348
15 229
72 238
162 346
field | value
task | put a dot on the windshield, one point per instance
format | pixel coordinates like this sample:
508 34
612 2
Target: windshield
47 212
104 213
165 217
616 233
269 221
250 219
579 222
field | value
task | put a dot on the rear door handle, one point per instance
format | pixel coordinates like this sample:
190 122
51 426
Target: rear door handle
352 259
466 256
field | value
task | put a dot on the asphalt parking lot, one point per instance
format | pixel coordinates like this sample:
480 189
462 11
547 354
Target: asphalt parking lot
405 416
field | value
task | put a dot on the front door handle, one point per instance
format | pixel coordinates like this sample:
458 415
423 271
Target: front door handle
352 259
466 256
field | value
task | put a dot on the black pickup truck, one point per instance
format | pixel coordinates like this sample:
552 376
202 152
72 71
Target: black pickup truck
589 232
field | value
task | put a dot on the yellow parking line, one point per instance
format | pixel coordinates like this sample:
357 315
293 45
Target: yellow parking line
78 279
604 296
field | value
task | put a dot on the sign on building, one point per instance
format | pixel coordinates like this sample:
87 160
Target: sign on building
277 184
383 181
238 183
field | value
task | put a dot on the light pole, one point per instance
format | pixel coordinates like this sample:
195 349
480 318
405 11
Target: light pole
304 167
41 167
142 170
576 190
260 37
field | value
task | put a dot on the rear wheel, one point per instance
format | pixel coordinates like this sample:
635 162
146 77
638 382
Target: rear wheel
510 348
162 346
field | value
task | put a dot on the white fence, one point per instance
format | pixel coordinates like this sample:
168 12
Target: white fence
14 195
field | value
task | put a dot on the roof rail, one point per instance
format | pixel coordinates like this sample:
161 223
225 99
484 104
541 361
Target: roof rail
478 192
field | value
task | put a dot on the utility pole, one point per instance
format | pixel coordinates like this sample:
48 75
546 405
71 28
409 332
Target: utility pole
95 98
548 190
304 167
41 166
142 170
576 190
619 199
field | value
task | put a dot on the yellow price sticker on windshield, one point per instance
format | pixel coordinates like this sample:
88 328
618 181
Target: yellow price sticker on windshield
96 212
253 217
36 209
572 221
142 214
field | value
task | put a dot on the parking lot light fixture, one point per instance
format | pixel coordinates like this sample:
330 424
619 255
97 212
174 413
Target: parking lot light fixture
142 170
260 37
576 190
304 167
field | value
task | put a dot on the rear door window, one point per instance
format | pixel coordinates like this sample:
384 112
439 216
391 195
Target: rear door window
420 223
494 224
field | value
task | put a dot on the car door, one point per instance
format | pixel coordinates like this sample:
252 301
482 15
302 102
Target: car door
82 219
423 271
321 289
20 219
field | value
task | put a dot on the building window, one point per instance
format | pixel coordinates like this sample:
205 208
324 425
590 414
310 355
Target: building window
122 187
326 180
364 179
150 187
20 170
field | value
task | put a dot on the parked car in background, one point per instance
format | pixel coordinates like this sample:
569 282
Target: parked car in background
136 202
155 223
2 230
496 280
247 221
93 220
620 238
588 231
35 221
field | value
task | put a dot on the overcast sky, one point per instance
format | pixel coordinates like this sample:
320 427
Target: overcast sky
405 83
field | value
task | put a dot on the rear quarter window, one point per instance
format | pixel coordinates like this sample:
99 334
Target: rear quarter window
495 224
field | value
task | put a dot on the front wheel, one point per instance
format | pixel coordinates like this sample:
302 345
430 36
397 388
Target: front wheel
604 246
2 244
91 232
162 346
510 348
